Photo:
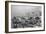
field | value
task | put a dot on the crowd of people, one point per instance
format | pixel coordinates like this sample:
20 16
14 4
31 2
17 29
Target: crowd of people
22 22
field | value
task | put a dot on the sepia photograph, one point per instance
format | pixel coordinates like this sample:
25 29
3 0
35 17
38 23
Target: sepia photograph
25 16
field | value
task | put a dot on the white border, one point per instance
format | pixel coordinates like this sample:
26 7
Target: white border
25 29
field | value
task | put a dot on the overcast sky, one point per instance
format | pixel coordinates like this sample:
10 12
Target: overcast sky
23 10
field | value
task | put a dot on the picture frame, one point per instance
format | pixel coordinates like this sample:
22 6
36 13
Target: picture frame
22 9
